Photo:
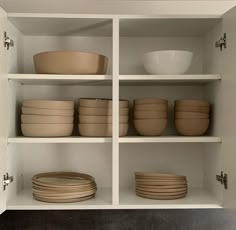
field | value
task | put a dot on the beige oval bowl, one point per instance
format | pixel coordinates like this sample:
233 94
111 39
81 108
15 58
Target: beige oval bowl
47 130
192 103
47 112
101 111
37 119
149 115
45 104
198 109
191 115
150 101
101 130
84 119
150 127
151 107
191 127
101 103
70 62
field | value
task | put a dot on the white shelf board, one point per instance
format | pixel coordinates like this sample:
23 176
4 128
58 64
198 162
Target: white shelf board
196 198
54 140
170 139
168 79
24 201
57 79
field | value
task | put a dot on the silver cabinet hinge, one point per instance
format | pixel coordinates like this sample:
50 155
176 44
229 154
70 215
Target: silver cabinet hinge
222 42
7 41
223 179
7 180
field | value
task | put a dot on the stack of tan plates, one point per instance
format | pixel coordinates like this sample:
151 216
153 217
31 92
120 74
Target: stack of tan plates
160 186
63 187
192 117
150 116
95 117
41 118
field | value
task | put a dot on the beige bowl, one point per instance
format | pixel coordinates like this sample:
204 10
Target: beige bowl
150 127
47 130
191 127
84 119
151 107
191 115
149 115
68 62
101 130
198 109
37 119
101 111
192 103
101 103
48 112
43 104
150 101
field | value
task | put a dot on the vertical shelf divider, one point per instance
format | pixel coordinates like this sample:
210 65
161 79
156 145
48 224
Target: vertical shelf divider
115 111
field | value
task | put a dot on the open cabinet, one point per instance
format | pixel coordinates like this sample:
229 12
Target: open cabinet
113 161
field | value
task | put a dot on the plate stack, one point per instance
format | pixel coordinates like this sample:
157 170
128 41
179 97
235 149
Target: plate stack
63 187
192 117
41 118
95 117
150 116
160 186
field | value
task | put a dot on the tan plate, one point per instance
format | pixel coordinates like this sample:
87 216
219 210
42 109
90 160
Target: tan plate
192 103
162 186
39 188
159 177
37 119
199 109
139 115
100 103
85 119
150 101
161 193
154 174
162 183
156 197
101 111
141 189
48 112
151 107
45 104
191 115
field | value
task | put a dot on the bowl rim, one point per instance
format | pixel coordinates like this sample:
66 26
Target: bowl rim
168 51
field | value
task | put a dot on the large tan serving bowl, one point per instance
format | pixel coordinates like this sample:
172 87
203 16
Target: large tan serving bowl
150 101
84 119
198 109
37 119
100 103
46 130
68 62
192 103
149 115
45 104
47 112
101 111
191 127
191 115
151 107
150 127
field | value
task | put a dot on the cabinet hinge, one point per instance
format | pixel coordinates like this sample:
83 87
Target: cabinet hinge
7 180
223 179
222 42
7 41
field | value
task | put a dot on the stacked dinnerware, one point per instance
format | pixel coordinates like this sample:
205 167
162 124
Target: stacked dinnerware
95 117
160 186
42 118
192 117
150 116
63 187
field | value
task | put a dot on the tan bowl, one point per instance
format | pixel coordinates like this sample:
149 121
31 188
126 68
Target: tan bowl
101 130
43 104
150 127
150 101
101 111
198 109
149 115
68 62
191 115
47 130
37 119
191 127
192 103
100 103
151 107
84 119
48 112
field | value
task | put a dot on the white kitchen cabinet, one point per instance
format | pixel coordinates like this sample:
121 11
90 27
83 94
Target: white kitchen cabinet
113 161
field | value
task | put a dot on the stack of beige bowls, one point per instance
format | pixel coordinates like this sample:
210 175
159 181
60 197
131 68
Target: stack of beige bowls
150 116
63 187
95 117
42 118
192 117
160 186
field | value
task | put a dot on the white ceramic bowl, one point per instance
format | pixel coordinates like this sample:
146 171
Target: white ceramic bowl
167 61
